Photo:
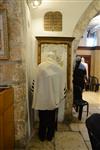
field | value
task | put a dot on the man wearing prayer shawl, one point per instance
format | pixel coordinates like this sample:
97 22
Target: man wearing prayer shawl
48 93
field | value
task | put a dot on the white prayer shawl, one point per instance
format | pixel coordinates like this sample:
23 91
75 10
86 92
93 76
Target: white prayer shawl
86 67
49 86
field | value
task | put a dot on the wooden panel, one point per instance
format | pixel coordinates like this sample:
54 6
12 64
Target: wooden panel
9 128
1 103
8 98
6 119
1 133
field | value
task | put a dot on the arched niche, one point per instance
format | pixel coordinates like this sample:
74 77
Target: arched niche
64 46
59 42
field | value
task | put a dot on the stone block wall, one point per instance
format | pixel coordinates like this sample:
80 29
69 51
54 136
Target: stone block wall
12 70
68 106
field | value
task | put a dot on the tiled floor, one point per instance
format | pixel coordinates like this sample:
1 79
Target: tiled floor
73 136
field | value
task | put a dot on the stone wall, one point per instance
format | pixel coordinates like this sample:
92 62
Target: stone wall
68 107
12 71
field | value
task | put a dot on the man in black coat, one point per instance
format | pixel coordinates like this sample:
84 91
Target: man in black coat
79 76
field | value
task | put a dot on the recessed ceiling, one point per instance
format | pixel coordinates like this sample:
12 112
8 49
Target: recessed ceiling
94 24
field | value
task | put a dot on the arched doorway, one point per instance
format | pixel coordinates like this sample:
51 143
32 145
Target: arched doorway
91 12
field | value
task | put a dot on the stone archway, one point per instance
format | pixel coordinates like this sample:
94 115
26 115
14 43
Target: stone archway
92 10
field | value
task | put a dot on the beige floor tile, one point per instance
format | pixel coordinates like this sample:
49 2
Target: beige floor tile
36 144
73 136
69 141
74 126
84 132
63 127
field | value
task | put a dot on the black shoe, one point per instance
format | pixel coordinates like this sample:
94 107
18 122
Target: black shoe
50 135
42 135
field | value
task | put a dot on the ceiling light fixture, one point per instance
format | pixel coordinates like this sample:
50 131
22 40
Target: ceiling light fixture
36 3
